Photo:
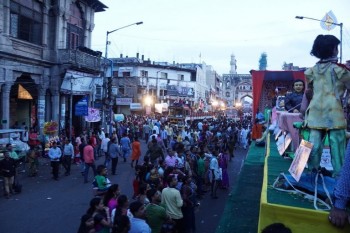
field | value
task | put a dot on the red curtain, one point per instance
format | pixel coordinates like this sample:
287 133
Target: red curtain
257 80
299 75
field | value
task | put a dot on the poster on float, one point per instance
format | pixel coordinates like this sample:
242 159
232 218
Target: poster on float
300 159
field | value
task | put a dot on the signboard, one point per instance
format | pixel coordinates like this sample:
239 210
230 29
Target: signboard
81 108
174 90
123 101
283 143
161 107
118 117
79 83
135 106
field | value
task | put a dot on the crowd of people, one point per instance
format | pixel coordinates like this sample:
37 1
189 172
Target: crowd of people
179 166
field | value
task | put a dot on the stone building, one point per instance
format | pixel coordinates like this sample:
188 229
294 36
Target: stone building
236 86
46 65
134 78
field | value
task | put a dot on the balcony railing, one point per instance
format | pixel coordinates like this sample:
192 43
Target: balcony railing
79 59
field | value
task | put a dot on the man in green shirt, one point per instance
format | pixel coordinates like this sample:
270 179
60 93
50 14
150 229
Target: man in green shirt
13 153
156 214
102 182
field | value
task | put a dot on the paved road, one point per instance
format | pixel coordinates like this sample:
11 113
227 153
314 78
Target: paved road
48 206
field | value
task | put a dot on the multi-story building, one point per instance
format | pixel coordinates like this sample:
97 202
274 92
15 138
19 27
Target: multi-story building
46 65
214 81
134 78
202 89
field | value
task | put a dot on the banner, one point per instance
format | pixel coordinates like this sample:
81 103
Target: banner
93 115
123 101
81 107
299 162
174 90
135 106
161 107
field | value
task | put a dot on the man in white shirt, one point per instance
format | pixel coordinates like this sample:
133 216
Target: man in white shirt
25 135
68 155
156 128
164 136
215 175
153 134
104 145
55 155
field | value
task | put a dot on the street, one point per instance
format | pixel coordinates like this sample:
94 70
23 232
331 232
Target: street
49 206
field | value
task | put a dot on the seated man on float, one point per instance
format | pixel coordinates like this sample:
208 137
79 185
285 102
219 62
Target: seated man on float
292 102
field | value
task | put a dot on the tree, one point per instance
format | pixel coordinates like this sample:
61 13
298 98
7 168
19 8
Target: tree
263 61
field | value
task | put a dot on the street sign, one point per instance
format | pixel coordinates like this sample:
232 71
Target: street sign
81 108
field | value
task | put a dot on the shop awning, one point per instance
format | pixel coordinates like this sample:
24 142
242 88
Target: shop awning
78 84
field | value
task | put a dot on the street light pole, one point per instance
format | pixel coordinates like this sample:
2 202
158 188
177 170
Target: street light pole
109 32
106 57
337 24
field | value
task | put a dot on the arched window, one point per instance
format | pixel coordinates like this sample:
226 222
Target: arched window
75 30
75 16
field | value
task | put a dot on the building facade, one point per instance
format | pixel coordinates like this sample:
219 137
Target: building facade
236 87
46 65
134 78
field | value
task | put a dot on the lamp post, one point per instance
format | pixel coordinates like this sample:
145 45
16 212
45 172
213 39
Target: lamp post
109 32
106 57
337 24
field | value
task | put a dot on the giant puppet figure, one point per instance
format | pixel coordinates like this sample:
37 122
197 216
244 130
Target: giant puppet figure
324 114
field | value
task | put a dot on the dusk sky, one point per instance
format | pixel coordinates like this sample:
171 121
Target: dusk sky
187 31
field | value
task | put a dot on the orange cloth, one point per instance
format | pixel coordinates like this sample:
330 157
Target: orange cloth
257 131
136 150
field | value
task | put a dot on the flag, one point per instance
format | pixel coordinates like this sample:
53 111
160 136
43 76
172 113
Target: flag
329 21
93 115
